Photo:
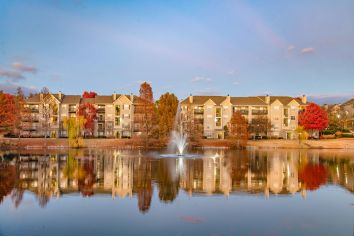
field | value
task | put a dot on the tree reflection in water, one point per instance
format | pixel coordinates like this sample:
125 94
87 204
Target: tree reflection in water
123 173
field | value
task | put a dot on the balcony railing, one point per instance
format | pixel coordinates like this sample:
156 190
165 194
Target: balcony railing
259 112
101 110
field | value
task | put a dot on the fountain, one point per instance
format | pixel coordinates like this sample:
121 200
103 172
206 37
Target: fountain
178 140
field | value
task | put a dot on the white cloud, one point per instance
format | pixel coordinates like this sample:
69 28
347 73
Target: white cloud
291 48
307 50
201 79
207 91
232 72
235 83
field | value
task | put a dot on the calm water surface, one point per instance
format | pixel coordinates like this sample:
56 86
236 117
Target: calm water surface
112 192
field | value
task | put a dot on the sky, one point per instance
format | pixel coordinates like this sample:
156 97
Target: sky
199 47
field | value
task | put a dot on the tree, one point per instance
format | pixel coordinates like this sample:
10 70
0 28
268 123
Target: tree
145 114
74 125
260 126
8 115
238 130
7 179
23 113
89 113
302 134
146 92
167 109
313 118
89 94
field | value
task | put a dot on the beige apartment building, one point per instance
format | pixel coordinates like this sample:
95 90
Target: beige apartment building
213 113
114 114
348 113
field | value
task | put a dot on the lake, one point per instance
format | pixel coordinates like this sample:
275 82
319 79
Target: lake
217 192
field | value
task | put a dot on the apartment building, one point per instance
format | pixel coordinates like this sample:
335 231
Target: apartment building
115 114
348 114
212 113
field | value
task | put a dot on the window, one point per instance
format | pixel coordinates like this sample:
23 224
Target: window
117 110
218 116
101 117
292 117
127 116
117 121
126 107
286 112
286 122
72 108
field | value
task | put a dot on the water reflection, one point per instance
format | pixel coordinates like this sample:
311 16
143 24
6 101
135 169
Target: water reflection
126 174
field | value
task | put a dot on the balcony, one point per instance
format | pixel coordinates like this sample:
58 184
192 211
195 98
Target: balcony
259 112
198 111
101 110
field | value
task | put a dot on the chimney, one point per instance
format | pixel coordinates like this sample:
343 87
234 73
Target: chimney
114 96
60 95
190 98
131 97
267 99
304 99
41 97
228 98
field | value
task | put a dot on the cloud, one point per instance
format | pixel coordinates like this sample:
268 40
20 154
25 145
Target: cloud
235 83
232 72
12 87
291 48
17 71
24 68
307 50
201 79
11 74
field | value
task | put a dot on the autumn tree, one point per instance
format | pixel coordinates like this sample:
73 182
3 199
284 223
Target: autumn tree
314 119
89 114
8 115
89 94
167 108
7 179
238 130
145 114
260 126
74 125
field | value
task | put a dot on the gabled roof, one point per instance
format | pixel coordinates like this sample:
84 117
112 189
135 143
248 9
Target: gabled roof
71 99
200 100
247 101
34 99
285 100
103 99
351 101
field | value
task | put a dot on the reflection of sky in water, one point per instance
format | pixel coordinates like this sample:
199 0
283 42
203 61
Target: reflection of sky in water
179 203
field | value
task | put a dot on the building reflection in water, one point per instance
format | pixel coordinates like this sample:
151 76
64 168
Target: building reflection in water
123 174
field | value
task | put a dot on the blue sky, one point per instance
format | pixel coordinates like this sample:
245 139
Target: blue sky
198 47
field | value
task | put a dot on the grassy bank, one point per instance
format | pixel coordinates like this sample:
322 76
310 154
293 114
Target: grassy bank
40 143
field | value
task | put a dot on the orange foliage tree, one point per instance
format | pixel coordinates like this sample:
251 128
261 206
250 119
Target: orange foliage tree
238 130
167 108
313 176
7 179
89 112
8 114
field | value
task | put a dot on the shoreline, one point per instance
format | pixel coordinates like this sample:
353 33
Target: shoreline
60 144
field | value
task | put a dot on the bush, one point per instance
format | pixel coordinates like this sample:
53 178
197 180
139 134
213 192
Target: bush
347 135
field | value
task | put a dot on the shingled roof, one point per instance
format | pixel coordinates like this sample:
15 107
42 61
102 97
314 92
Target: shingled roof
351 101
71 99
247 101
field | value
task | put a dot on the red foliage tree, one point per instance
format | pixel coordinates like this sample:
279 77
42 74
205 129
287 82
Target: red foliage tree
89 94
89 112
313 118
8 114
313 176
